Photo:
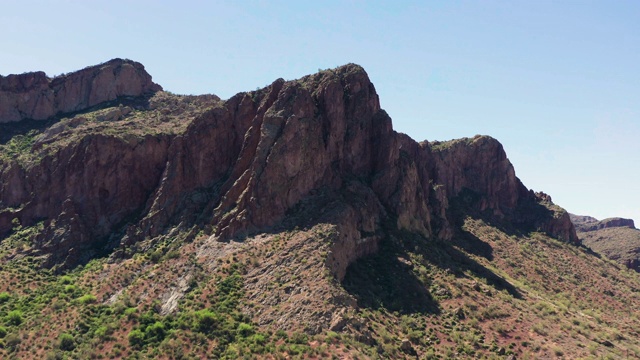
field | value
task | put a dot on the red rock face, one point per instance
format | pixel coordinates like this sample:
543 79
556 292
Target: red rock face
244 167
35 96
615 222
588 223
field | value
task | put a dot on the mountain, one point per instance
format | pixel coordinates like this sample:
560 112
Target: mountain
288 221
616 238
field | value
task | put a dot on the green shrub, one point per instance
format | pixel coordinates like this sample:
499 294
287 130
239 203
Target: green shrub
297 349
4 297
3 332
245 330
173 254
131 313
136 338
299 338
102 333
66 342
87 299
281 334
206 321
155 332
258 339
331 336
14 317
155 256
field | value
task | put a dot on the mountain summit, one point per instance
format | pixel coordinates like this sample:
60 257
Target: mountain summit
291 221
36 96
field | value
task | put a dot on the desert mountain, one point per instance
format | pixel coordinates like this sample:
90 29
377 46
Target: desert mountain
288 221
616 238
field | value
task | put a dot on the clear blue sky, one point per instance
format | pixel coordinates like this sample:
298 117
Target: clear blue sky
557 82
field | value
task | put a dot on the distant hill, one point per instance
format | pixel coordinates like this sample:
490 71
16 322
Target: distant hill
616 238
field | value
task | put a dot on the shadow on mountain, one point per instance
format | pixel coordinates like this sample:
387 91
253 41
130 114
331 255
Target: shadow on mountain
390 280
24 127
460 263
452 255
387 280
30 127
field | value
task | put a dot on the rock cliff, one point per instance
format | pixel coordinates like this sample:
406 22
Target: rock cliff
246 165
38 97
588 223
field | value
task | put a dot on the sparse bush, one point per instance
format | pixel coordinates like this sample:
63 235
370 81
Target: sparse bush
540 329
558 351
54 355
494 312
299 338
12 341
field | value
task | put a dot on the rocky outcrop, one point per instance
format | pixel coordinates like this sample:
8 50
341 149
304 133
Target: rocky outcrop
38 97
247 164
588 223
582 219
617 222
559 225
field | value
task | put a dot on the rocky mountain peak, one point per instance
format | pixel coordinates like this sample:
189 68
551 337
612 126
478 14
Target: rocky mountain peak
35 96
317 149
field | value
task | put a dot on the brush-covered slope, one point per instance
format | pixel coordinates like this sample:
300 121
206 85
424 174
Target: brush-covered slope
287 222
